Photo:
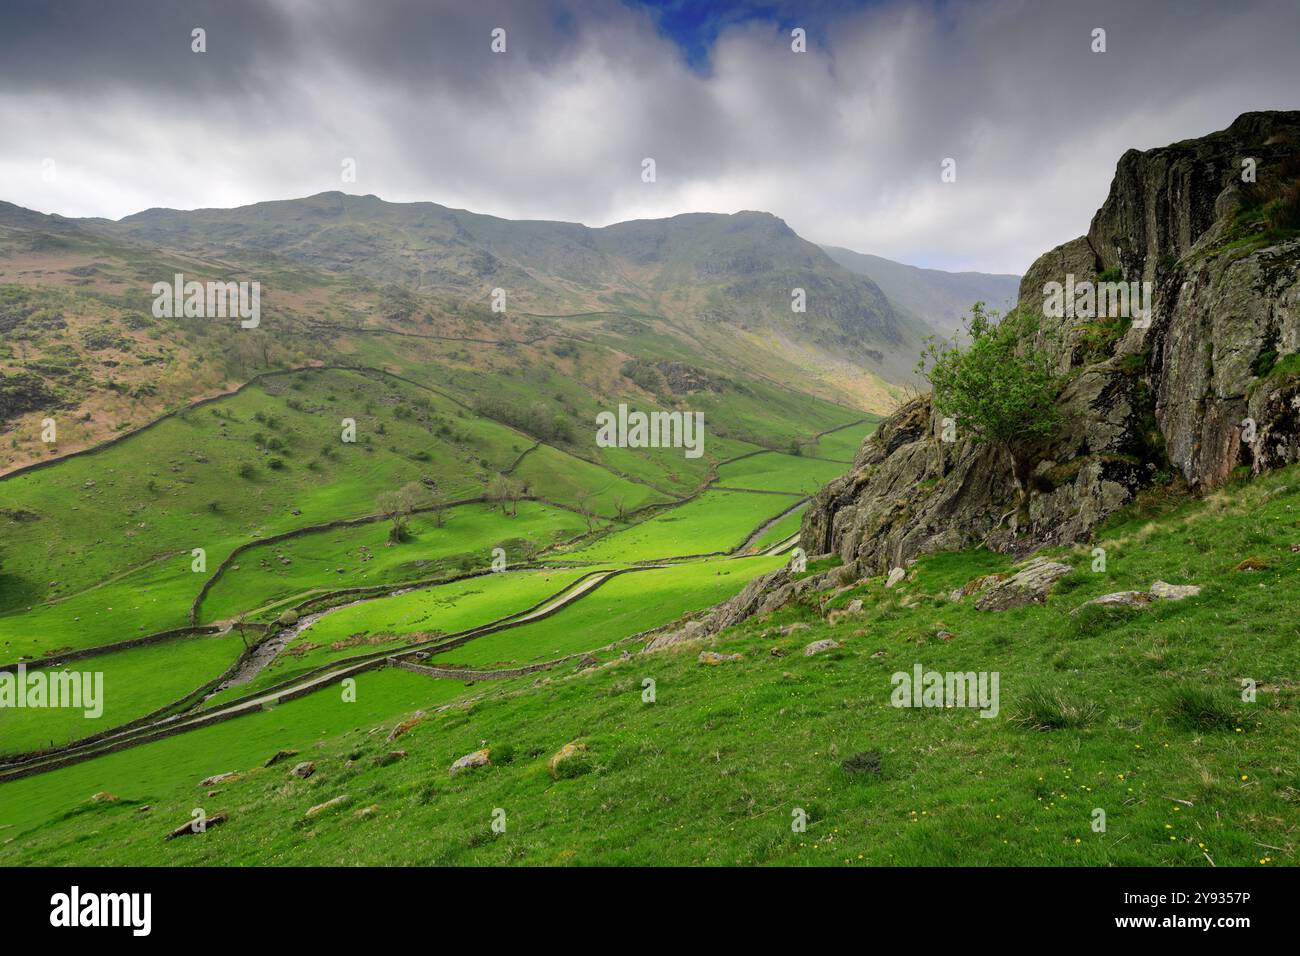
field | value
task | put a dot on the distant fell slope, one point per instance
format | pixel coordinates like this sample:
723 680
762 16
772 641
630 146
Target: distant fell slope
938 298
738 271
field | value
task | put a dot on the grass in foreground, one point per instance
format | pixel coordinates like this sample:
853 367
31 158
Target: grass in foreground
727 757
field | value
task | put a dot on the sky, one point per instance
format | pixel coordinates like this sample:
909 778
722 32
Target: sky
106 109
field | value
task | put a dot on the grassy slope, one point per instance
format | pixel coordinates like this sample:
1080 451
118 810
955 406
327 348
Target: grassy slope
773 471
712 771
716 521
843 443
469 532
406 618
625 605
115 515
136 682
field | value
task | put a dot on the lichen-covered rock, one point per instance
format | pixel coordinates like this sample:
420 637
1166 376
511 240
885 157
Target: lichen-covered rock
196 827
564 762
328 805
713 657
1174 592
816 647
228 777
1201 389
1028 585
1119 599
479 758
691 631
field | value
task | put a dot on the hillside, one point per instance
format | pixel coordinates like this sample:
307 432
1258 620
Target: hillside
693 309
940 299
1127 709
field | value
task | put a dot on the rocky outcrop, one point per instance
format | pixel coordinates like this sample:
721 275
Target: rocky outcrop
1210 385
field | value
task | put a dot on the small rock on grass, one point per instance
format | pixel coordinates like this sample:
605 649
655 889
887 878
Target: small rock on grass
1121 599
713 657
816 647
189 827
278 756
556 765
215 779
364 812
328 805
1174 592
479 758
303 770
406 725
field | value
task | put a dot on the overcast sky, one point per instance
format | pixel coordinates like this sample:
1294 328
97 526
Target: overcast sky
845 142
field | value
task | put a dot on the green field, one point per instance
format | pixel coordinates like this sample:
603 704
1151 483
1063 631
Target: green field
715 522
627 604
363 556
772 471
136 682
842 444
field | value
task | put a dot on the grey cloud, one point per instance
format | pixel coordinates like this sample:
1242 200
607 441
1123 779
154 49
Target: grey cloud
844 142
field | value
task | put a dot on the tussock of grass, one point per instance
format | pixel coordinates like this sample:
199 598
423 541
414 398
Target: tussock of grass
1048 709
1194 707
1095 620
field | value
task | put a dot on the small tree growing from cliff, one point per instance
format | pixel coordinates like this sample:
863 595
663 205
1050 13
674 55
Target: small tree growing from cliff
1000 388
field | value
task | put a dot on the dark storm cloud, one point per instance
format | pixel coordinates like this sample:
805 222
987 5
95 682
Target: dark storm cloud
845 141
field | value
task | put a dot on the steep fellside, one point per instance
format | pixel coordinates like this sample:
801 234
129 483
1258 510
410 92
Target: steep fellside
1212 385
734 271
940 299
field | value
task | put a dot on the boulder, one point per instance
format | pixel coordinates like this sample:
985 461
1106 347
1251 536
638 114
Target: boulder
406 725
895 575
690 631
212 781
1118 599
303 770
